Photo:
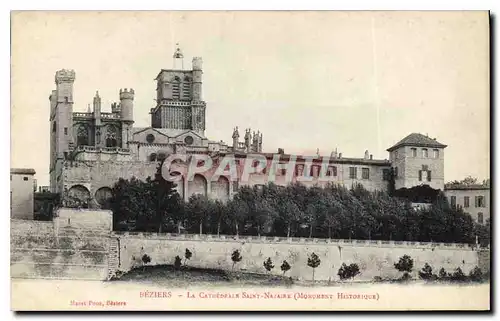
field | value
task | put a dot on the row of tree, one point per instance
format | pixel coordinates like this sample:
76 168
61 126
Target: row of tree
333 211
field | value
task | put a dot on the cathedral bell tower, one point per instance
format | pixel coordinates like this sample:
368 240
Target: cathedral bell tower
179 98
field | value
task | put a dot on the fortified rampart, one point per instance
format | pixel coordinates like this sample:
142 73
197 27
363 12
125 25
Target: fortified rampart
79 244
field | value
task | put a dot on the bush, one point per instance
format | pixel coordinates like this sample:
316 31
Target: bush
405 265
236 257
426 273
458 275
285 267
348 271
187 255
268 264
177 262
476 275
443 275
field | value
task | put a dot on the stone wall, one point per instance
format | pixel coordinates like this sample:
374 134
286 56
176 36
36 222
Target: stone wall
61 251
375 258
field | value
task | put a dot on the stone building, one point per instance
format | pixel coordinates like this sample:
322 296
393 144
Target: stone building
22 188
91 151
473 199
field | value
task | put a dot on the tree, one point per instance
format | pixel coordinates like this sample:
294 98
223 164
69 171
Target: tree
197 208
348 271
268 264
313 261
285 267
236 257
146 259
426 273
187 255
405 265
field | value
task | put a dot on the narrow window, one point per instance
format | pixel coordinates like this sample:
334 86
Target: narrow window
453 201
353 172
396 154
480 201
425 153
413 152
466 201
480 218
429 176
365 173
420 175
436 153
386 174
395 172
25 178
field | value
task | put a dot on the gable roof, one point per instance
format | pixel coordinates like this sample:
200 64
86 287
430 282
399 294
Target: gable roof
417 139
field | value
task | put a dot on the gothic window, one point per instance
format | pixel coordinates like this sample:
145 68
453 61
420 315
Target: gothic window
111 136
82 135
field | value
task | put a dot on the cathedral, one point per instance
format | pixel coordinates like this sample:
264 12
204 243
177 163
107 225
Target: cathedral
91 150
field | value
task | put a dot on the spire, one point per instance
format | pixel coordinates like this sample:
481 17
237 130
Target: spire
178 58
88 108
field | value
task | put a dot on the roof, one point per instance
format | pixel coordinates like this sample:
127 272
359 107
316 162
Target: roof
417 139
23 171
466 187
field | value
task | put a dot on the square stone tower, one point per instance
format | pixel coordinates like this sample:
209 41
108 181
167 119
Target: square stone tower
418 160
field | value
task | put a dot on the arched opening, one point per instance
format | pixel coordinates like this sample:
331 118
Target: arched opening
78 196
103 197
198 185
220 189
152 157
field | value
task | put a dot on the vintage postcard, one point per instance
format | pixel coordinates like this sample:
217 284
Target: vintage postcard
250 160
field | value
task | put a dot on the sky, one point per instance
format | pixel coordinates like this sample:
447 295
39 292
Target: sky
323 80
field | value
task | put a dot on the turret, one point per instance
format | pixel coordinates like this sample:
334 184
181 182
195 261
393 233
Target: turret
65 79
127 104
197 78
115 108
97 106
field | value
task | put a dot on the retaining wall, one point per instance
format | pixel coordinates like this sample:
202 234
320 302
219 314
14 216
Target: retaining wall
374 258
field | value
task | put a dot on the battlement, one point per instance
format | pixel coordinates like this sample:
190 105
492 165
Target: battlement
65 75
127 93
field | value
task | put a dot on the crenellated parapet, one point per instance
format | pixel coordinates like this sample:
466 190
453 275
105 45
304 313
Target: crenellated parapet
65 75
127 93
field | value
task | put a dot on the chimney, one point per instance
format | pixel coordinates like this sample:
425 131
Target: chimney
371 156
340 155
281 151
366 154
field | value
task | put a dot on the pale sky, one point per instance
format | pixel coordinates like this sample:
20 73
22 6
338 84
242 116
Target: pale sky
307 80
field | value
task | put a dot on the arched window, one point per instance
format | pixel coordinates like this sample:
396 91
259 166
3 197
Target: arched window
152 157
186 88
111 136
176 90
161 156
82 135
